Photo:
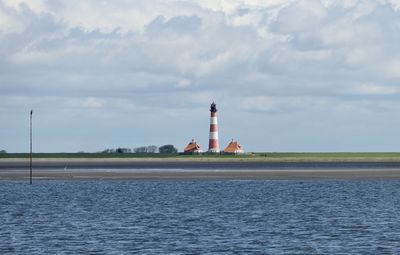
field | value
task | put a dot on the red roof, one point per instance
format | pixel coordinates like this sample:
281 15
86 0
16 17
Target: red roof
234 147
193 146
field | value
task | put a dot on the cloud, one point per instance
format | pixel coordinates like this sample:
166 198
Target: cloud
373 89
279 57
177 25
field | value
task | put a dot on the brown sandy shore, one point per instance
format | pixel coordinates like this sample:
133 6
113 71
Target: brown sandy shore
210 175
138 169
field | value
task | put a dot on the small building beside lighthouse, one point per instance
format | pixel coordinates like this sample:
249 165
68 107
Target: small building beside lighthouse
234 148
192 148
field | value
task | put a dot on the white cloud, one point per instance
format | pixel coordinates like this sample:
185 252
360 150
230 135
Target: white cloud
283 104
373 89
363 56
391 68
341 34
229 7
9 23
35 5
277 56
203 40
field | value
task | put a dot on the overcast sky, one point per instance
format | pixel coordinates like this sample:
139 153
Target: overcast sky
315 75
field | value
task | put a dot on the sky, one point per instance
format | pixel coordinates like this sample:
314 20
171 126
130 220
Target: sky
287 75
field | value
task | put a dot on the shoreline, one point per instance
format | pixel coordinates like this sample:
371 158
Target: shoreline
173 163
297 175
162 169
250 157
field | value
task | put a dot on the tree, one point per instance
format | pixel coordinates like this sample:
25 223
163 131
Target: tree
3 151
108 151
141 149
152 149
123 150
146 149
168 148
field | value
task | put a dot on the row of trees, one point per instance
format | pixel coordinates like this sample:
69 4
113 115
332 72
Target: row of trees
168 148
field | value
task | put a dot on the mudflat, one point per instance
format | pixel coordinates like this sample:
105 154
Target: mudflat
164 169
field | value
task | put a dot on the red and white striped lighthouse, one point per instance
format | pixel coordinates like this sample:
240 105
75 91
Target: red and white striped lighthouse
213 145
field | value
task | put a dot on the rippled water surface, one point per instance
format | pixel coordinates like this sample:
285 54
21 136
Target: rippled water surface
223 217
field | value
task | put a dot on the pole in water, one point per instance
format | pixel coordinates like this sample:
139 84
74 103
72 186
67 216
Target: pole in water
30 154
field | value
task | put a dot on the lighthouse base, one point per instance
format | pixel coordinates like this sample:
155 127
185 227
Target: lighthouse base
214 151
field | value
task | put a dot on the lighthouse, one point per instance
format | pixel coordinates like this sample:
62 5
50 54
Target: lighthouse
213 145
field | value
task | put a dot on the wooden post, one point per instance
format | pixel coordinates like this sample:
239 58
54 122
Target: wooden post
30 154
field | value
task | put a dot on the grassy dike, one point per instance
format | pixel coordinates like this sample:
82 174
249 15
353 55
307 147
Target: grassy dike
256 157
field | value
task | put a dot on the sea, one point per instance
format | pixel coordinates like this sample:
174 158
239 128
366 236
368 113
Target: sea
200 217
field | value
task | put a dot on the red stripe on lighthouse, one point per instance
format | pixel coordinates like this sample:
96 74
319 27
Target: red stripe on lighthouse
213 128
213 144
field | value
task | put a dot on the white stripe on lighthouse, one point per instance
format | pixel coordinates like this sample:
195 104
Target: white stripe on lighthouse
214 135
213 120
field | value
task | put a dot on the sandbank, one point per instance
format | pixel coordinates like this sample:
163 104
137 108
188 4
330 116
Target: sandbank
164 169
